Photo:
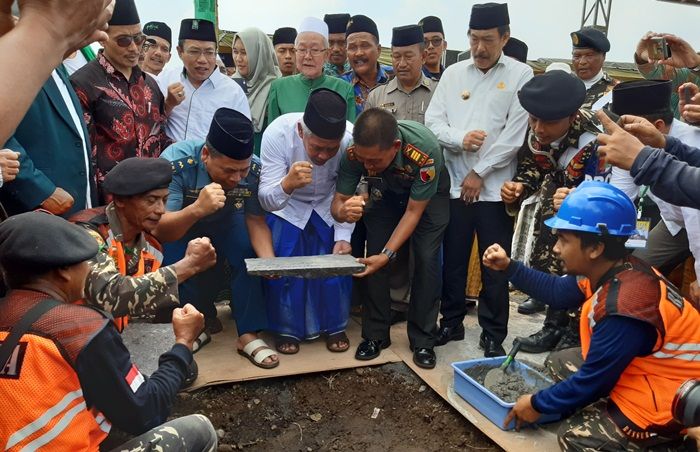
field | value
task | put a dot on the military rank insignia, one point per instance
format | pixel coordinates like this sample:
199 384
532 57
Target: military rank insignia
415 155
427 173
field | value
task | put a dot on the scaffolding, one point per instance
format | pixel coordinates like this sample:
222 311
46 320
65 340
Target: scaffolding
596 14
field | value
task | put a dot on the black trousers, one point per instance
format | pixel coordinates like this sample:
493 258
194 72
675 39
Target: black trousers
381 220
492 225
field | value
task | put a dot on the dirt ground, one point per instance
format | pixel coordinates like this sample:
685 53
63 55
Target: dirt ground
385 408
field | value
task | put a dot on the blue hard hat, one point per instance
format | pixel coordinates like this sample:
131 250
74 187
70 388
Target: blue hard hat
596 207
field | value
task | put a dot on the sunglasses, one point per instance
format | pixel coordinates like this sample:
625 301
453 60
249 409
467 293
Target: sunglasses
125 41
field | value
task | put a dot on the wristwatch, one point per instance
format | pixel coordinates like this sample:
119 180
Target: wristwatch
390 254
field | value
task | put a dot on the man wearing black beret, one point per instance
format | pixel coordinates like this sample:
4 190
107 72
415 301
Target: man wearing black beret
476 115
337 63
435 45
64 361
588 56
301 153
156 49
126 276
283 42
214 193
559 151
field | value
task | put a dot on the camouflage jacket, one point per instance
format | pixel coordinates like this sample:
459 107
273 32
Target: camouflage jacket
124 294
598 90
543 167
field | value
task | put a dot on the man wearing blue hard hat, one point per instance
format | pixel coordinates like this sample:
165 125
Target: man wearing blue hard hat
640 339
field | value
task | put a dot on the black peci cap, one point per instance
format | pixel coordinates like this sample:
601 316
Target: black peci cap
517 49
159 29
431 24
360 23
407 35
284 35
231 134
337 23
197 30
489 15
326 113
125 13
642 97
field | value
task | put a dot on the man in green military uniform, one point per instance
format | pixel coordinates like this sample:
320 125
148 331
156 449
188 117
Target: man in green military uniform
408 94
126 276
402 165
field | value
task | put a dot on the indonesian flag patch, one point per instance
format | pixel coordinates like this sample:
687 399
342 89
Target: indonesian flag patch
134 378
427 173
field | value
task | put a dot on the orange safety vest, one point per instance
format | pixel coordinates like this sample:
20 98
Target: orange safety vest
149 261
640 403
41 400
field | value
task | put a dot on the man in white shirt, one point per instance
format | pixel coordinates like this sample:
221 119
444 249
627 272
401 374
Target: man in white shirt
480 123
679 231
195 92
300 158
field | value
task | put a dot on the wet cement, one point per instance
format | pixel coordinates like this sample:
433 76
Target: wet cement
514 383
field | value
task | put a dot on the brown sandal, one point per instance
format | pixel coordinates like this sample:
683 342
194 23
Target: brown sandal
281 341
335 339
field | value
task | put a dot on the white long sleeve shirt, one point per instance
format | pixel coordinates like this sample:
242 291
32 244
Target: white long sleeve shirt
468 99
191 119
281 148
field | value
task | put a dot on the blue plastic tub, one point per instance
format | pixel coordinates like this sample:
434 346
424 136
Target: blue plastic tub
487 402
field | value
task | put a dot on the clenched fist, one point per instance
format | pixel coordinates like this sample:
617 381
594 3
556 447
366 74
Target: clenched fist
351 211
299 176
473 141
496 258
511 191
59 202
210 199
559 195
176 94
200 254
9 165
188 322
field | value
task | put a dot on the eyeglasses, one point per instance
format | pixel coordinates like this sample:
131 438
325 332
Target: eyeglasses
312 52
125 41
436 42
196 53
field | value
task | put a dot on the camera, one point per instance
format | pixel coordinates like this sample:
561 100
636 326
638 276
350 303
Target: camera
686 404
658 49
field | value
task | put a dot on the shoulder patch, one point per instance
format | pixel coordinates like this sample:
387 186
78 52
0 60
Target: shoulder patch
350 151
255 168
415 155
183 163
98 238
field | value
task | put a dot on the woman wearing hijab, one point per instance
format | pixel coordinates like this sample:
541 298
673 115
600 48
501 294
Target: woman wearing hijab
256 69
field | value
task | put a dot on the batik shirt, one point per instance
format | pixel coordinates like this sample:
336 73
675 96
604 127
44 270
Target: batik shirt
125 118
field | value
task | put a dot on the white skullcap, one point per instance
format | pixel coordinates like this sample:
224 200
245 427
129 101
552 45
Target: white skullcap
313 25
559 67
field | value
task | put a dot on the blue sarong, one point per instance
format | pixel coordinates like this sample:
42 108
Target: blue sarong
306 308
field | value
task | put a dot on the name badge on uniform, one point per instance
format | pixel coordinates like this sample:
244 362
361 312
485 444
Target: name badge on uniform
639 239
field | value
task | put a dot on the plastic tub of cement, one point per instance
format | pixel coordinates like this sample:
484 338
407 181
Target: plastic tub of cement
488 403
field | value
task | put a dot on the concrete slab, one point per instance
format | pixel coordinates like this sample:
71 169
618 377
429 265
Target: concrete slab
305 266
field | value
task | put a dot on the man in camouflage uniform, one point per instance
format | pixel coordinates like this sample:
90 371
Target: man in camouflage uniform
588 56
407 197
559 151
126 276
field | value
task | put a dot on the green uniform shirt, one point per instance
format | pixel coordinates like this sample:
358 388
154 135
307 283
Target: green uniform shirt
290 94
415 171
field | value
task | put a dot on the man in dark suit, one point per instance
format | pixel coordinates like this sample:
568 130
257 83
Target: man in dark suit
55 170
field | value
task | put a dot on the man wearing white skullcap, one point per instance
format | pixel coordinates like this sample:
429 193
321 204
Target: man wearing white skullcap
290 94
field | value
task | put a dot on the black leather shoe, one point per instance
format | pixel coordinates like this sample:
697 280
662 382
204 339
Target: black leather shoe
570 339
424 357
370 349
542 341
492 348
449 333
531 306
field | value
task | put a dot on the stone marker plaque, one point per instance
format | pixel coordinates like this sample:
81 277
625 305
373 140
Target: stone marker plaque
309 267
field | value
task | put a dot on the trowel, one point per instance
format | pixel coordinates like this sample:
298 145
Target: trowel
497 376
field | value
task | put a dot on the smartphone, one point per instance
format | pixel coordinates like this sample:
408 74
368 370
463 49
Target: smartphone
687 96
658 49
